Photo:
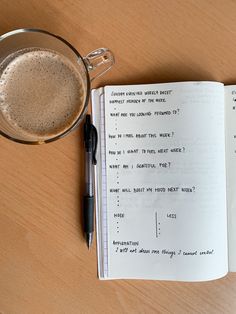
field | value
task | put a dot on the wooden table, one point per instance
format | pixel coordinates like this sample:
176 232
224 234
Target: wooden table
45 266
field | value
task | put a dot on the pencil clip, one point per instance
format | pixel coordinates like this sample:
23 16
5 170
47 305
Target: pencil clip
94 136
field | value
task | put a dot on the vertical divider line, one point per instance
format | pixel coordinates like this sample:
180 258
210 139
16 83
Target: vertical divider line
156 221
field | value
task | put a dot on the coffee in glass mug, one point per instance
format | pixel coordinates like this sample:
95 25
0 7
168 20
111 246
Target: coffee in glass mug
44 85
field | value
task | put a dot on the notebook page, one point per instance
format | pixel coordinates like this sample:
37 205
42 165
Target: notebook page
165 161
230 130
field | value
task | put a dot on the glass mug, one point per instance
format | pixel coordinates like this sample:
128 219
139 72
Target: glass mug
88 68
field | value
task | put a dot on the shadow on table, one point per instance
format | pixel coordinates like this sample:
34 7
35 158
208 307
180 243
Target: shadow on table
80 177
165 74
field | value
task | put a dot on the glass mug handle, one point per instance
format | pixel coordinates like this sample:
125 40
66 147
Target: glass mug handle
99 62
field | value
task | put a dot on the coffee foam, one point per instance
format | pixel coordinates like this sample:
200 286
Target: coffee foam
41 92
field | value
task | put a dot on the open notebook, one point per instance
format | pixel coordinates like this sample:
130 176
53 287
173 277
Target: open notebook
165 207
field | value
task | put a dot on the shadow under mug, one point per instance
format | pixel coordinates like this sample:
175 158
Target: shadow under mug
93 65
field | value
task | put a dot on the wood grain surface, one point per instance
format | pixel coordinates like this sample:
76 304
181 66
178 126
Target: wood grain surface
45 266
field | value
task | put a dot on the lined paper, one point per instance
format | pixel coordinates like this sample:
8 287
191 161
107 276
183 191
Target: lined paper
165 158
160 181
